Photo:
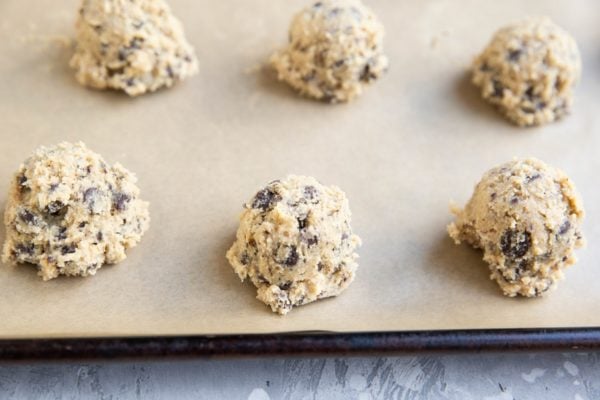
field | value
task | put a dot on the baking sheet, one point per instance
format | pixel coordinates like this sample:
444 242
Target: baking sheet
415 140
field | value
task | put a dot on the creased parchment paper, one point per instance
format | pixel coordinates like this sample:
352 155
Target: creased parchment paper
415 140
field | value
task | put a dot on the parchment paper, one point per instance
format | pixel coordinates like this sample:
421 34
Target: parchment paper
417 139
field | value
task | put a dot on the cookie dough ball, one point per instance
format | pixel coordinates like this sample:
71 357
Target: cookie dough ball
528 71
69 212
295 243
335 48
526 216
136 46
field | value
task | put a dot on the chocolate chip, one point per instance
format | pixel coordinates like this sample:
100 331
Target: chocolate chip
310 76
120 200
344 236
493 195
91 268
23 248
265 199
514 55
335 11
310 192
366 75
135 43
302 223
564 228
55 208
22 180
312 241
69 249
498 89
515 244
286 255
130 82
514 200
244 258
320 266
27 217
285 286
122 55
532 178
99 236
89 196
329 98
112 72
317 4
520 269
529 94
283 302
528 110
62 233
83 224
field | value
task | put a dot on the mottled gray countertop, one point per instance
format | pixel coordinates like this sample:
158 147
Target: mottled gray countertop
462 377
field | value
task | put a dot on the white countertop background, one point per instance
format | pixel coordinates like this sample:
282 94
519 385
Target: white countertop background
493 376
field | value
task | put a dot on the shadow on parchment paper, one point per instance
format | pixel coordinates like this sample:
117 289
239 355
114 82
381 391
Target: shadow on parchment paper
57 57
461 266
266 79
469 96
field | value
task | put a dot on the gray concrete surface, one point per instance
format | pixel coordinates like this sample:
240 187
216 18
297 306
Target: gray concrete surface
458 377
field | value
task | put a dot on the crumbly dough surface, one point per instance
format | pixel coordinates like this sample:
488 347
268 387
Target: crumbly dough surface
525 215
528 71
335 48
295 243
69 212
137 46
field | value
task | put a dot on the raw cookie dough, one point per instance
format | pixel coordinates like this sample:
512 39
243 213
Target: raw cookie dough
528 71
335 48
136 46
526 217
295 243
68 212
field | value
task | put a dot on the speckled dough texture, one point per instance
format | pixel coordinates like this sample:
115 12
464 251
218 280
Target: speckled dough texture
295 243
69 212
136 46
528 71
526 216
335 48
